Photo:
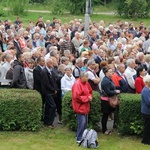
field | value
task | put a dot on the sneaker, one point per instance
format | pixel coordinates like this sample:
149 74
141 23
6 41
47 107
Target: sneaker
50 126
78 142
59 122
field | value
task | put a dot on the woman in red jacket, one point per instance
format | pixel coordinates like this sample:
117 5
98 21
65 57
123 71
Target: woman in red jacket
81 98
139 84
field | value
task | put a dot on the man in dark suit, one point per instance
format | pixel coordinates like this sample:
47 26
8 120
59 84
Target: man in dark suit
17 43
99 58
49 88
37 78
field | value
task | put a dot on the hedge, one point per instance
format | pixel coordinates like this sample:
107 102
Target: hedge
20 110
130 120
69 116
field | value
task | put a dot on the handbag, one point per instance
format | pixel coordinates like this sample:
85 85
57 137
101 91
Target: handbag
113 101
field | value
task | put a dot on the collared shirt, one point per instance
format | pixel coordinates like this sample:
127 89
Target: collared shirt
49 70
41 67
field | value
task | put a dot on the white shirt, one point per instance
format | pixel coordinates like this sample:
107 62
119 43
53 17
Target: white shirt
130 73
67 83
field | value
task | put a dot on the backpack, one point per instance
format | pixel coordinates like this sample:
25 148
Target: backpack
89 139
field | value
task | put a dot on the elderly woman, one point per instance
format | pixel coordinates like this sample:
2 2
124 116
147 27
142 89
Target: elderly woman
81 98
29 74
108 90
145 110
67 80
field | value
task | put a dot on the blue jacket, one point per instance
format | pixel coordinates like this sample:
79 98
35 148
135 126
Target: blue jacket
108 87
145 108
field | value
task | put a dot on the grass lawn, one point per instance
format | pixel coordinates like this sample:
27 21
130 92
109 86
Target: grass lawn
67 17
62 139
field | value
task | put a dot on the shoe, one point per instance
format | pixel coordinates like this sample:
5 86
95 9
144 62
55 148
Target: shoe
50 126
59 122
78 142
107 133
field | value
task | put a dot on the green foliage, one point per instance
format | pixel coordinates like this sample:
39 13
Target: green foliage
17 7
20 110
2 13
76 6
133 8
69 116
38 1
58 7
130 120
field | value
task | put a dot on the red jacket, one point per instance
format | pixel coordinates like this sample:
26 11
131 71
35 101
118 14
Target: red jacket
139 84
80 93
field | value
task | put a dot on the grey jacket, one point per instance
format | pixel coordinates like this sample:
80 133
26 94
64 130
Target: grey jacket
29 77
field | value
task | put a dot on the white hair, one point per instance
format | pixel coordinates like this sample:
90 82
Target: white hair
91 61
139 54
146 79
78 60
130 61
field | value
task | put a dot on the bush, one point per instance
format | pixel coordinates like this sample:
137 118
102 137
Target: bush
130 120
20 109
17 7
58 7
133 8
2 12
69 116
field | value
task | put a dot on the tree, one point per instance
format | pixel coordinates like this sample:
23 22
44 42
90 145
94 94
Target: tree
17 7
133 8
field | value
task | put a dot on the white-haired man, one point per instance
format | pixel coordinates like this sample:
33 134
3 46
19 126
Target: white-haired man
130 74
93 79
49 88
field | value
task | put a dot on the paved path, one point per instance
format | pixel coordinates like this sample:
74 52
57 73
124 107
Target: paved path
109 124
46 11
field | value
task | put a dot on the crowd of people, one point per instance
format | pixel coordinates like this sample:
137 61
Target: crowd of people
52 57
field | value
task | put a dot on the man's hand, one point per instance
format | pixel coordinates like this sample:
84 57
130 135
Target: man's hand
90 98
55 92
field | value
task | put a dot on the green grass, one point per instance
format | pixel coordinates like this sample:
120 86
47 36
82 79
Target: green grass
100 8
67 17
62 139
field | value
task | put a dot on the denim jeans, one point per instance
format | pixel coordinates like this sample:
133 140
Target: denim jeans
50 110
82 125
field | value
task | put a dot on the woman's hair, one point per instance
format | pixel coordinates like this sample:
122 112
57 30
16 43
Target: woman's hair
139 69
105 70
61 67
103 64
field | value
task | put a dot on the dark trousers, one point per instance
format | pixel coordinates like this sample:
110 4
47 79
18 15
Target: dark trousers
58 101
146 129
43 107
50 110
106 110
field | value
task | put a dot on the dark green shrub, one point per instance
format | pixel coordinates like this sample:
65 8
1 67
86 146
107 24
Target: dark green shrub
2 12
69 116
20 109
130 120
58 7
133 8
17 7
